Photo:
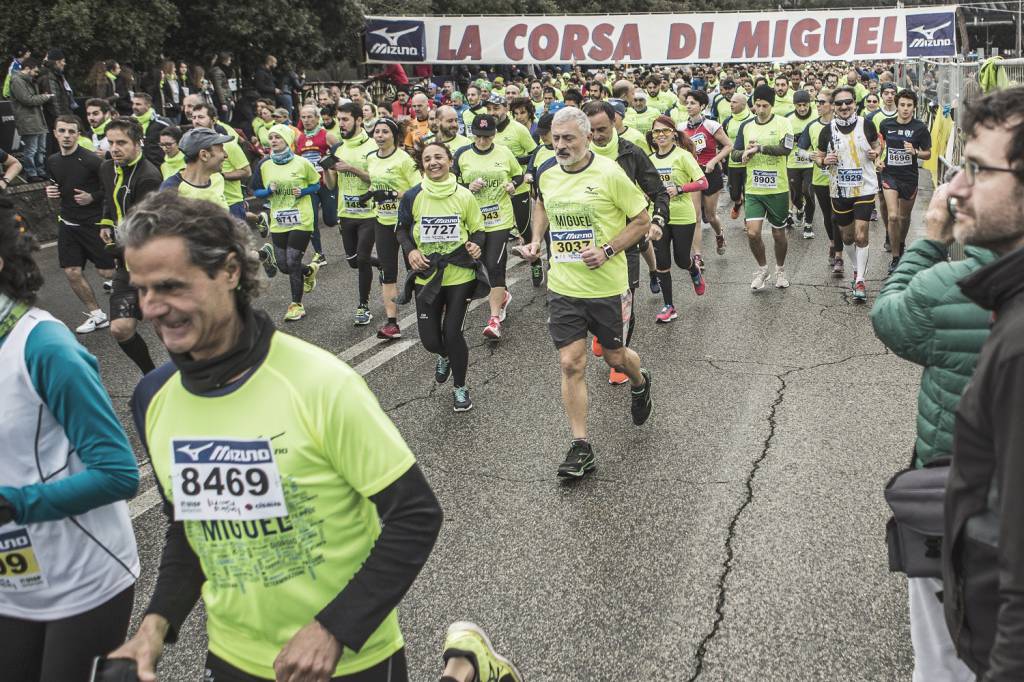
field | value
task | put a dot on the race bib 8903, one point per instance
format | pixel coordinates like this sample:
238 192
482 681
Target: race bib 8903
765 179
225 479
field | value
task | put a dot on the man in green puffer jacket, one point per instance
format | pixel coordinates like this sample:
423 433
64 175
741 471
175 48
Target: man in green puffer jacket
922 316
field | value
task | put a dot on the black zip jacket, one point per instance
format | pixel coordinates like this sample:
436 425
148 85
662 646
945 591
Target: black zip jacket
983 550
641 170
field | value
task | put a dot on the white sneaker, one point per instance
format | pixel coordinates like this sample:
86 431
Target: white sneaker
108 285
760 277
780 279
93 322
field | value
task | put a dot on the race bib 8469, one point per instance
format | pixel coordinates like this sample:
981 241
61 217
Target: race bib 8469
225 479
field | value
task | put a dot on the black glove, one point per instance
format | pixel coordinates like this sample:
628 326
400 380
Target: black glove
364 199
382 195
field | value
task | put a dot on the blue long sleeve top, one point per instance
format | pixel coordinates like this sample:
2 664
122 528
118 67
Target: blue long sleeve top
66 376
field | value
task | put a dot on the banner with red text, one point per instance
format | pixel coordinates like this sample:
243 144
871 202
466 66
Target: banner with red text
895 33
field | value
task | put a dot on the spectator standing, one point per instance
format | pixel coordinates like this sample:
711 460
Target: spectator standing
28 118
169 92
222 96
51 80
983 542
263 79
20 55
922 316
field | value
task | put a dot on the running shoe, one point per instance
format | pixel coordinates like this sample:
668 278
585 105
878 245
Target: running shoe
735 212
468 640
362 316
655 285
442 369
790 221
893 263
837 267
641 403
462 401
808 231
295 312
617 378
781 282
390 331
518 251
874 215
720 244
578 461
760 277
666 315
699 260
799 221
493 328
309 279
263 223
595 347
268 260
887 245
108 285
699 287
320 259
860 292
853 282
93 321
537 273
503 311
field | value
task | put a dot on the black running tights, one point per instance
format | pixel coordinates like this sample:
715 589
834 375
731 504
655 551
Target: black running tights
440 326
289 247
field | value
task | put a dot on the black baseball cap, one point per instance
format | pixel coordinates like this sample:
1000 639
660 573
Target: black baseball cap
728 84
544 123
801 97
485 125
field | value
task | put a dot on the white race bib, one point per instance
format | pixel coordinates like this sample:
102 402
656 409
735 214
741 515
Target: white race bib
567 245
850 177
699 141
899 157
314 157
19 567
387 209
492 215
765 179
440 229
352 205
216 479
287 217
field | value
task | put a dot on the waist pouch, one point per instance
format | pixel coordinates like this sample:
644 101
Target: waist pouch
914 533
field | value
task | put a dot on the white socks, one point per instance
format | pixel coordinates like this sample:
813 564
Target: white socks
862 262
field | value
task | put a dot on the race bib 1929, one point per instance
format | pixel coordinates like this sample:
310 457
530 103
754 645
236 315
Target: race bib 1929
19 567
439 229
225 479
765 179
850 177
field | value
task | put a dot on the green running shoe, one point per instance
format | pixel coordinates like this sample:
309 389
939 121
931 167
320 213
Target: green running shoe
468 640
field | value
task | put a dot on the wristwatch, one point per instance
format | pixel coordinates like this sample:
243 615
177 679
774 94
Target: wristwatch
608 250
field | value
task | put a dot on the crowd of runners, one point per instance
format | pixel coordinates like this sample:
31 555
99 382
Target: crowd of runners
302 535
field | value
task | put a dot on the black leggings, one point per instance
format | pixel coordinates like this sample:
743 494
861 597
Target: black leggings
737 179
494 256
522 214
62 650
834 233
800 191
387 253
440 326
357 238
676 240
289 247
393 669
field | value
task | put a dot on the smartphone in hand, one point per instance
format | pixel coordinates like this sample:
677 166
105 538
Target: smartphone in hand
113 670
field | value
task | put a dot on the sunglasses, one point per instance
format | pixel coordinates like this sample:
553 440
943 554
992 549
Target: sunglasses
823 101
843 102
662 132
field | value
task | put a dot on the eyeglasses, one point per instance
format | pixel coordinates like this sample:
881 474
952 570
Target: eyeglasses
662 132
823 101
972 168
166 145
842 102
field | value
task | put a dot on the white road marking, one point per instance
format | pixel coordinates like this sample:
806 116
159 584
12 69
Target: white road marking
143 502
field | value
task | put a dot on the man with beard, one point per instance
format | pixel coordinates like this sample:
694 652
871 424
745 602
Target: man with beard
475 106
448 130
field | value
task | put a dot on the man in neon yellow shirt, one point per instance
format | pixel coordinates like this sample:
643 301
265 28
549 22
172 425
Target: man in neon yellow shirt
595 212
301 523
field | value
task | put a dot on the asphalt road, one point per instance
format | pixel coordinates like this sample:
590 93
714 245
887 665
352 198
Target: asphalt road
739 535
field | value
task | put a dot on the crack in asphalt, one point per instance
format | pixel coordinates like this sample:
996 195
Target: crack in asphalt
727 565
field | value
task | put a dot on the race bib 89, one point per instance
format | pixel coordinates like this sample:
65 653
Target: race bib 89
19 567
216 479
